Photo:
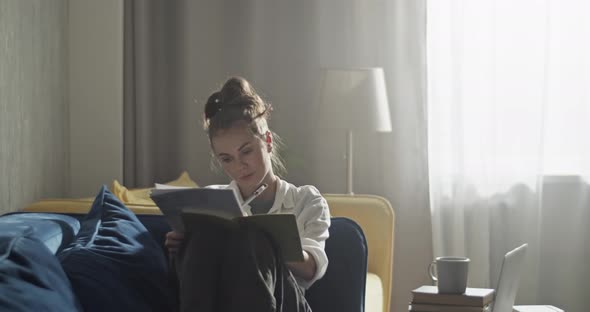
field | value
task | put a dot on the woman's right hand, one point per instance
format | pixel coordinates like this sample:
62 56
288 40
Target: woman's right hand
173 241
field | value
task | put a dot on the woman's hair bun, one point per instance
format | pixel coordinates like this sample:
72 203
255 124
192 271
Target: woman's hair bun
235 88
236 101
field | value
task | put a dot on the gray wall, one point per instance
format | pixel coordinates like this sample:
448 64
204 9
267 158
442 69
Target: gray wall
33 101
95 41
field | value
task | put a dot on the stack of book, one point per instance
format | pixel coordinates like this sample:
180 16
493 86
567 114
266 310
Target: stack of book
427 299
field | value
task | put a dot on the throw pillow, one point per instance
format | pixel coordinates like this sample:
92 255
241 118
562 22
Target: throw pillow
31 278
114 264
141 196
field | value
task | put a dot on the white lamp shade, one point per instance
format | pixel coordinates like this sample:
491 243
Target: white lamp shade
355 99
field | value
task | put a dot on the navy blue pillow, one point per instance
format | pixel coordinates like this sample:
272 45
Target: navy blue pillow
31 278
114 264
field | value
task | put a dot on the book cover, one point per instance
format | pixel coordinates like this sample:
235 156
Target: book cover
474 297
217 202
183 207
422 307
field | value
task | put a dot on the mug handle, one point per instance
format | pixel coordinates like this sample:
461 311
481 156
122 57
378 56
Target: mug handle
431 271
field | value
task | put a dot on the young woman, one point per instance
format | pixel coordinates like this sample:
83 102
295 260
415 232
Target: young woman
240 270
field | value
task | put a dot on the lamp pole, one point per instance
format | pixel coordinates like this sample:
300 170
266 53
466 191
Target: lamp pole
342 93
349 162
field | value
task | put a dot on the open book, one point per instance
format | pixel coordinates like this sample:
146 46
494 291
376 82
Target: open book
182 206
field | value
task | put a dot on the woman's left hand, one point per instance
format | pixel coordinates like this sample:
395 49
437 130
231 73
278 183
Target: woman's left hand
305 269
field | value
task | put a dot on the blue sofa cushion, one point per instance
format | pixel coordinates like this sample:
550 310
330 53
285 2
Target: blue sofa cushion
114 264
51 229
31 277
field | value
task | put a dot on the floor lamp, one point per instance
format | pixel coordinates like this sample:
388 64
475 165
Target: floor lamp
352 100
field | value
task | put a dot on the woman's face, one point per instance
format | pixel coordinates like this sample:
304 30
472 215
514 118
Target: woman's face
244 157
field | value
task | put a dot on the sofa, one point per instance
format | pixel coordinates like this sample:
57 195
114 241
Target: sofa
358 276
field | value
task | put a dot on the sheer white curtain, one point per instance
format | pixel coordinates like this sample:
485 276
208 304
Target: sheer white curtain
508 117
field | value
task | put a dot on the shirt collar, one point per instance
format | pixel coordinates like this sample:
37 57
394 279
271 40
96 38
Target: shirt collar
283 198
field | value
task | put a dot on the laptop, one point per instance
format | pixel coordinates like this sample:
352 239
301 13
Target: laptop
509 279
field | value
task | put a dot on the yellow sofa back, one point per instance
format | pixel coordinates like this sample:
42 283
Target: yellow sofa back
376 217
82 205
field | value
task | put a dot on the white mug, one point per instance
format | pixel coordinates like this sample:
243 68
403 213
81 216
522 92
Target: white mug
450 273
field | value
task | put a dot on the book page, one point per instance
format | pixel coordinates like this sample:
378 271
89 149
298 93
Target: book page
159 186
536 308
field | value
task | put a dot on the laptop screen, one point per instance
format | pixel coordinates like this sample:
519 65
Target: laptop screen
509 279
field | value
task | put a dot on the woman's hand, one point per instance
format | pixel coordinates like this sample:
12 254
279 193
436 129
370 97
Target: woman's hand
305 269
173 241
